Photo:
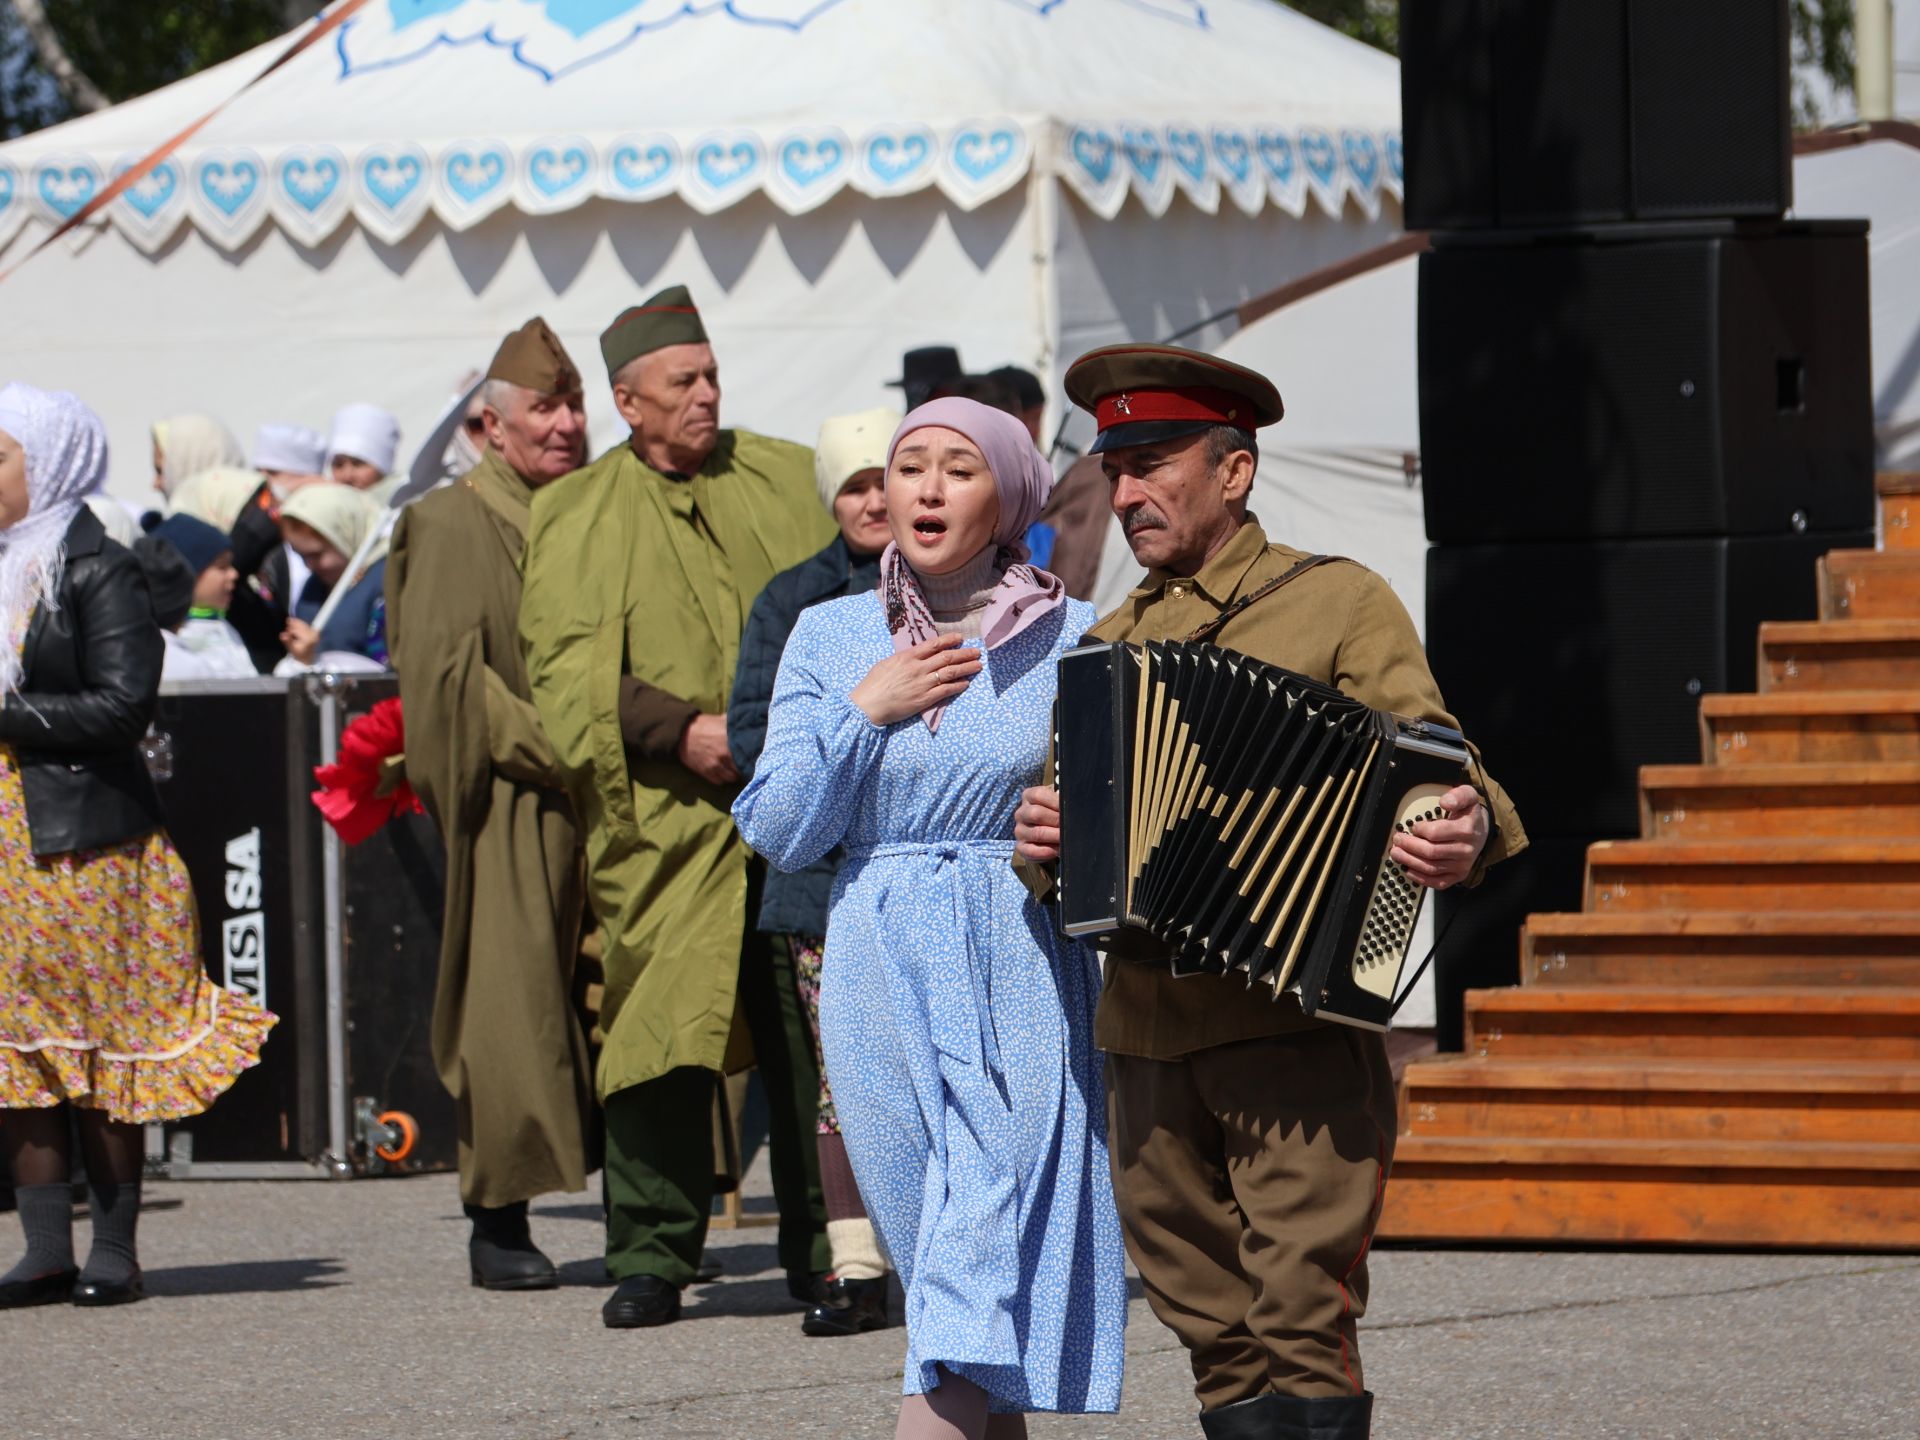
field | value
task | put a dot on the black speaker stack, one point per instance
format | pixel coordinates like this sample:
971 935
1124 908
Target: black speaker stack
1645 402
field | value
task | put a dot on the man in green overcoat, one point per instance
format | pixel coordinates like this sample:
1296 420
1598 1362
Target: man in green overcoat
506 1037
640 572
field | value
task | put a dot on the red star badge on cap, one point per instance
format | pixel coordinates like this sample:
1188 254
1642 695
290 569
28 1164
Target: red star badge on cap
1124 404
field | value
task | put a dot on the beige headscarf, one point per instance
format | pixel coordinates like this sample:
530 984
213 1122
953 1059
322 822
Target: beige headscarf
216 496
849 444
341 515
192 443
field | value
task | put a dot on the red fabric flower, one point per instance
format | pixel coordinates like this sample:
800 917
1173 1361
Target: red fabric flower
357 793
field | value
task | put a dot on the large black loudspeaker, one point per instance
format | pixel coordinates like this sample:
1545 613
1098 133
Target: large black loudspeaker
1710 383
1569 112
1572 664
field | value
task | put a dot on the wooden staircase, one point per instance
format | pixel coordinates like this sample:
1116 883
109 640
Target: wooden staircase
1723 1046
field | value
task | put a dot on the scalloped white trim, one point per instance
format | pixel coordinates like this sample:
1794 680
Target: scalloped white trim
198 1039
309 191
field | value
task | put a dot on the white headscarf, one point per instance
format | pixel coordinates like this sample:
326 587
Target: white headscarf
340 515
66 458
190 444
217 496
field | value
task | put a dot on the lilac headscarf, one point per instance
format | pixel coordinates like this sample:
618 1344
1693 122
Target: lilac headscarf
1022 481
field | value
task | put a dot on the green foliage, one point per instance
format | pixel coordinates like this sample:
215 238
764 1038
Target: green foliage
128 47
1375 21
1823 43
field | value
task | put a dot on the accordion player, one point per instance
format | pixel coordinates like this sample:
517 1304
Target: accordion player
1221 814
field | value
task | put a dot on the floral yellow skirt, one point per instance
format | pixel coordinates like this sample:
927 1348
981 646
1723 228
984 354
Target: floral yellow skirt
103 999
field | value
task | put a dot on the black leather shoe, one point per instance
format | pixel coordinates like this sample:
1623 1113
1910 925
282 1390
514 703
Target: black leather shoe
501 1254
852 1307
641 1301
809 1289
110 1292
502 1267
1253 1419
54 1289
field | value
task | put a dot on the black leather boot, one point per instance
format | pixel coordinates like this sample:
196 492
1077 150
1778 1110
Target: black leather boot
501 1254
1291 1417
852 1307
1325 1417
1244 1420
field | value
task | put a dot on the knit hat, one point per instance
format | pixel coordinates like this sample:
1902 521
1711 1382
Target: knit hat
849 444
200 543
289 449
364 432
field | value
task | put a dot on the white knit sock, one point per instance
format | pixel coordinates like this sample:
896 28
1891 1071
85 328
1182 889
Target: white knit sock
856 1250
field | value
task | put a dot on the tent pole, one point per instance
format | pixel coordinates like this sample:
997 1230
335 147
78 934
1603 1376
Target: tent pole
1873 58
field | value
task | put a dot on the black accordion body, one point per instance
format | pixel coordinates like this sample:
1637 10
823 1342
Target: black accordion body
1221 814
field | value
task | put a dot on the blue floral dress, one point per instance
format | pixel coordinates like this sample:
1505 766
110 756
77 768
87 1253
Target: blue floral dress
957 1024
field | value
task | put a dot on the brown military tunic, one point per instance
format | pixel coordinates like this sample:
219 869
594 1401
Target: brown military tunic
1250 1145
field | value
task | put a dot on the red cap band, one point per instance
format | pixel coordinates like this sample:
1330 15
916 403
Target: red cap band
1201 403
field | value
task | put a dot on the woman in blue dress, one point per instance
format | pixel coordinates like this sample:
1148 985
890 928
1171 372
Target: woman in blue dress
957 1024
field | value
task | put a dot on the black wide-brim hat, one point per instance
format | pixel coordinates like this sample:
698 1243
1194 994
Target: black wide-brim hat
1143 394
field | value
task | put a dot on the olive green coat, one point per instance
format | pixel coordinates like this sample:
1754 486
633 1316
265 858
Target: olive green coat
630 572
506 1039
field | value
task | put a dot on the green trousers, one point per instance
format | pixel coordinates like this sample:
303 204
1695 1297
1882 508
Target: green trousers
660 1139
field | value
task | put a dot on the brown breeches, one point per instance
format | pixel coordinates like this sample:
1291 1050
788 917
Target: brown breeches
1249 1179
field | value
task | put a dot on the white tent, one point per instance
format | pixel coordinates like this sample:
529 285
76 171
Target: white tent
837 180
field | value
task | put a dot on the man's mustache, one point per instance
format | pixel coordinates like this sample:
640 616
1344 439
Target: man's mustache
1143 519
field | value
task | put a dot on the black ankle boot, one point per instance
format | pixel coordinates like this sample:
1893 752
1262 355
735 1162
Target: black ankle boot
501 1254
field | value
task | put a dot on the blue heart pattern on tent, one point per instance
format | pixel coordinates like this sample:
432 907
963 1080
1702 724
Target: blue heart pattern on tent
1144 154
724 166
636 169
228 187
1235 155
1276 154
473 175
1317 153
6 189
65 188
150 194
1363 158
1093 149
391 179
310 183
1397 159
1189 152
554 172
978 154
807 162
894 157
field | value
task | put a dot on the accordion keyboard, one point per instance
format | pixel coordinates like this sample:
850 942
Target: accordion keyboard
1394 907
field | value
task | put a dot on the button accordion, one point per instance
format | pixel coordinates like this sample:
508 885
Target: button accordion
1220 814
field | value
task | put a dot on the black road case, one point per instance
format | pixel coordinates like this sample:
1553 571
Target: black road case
341 942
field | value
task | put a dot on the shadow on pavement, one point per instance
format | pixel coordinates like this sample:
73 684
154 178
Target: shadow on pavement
245 1277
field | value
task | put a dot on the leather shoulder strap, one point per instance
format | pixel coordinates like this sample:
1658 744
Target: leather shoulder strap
1213 626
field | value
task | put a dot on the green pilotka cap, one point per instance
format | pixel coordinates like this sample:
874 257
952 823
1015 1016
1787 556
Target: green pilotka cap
533 358
668 318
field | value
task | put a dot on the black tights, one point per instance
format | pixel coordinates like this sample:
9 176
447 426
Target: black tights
37 1146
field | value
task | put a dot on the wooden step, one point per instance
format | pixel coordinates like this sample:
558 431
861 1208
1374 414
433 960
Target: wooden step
1678 1100
1899 509
1732 802
1791 727
1753 875
1759 1023
1840 655
1805 1195
1737 948
1869 584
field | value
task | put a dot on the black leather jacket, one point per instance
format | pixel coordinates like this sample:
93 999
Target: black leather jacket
90 684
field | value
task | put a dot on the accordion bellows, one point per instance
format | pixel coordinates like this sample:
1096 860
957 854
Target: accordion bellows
1221 814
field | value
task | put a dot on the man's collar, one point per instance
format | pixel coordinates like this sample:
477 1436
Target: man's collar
1220 578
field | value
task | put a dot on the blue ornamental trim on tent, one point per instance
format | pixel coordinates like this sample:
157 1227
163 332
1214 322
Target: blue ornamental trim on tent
557 38
390 188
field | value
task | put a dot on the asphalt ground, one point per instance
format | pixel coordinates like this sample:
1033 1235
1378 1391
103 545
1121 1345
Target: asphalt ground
309 1309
